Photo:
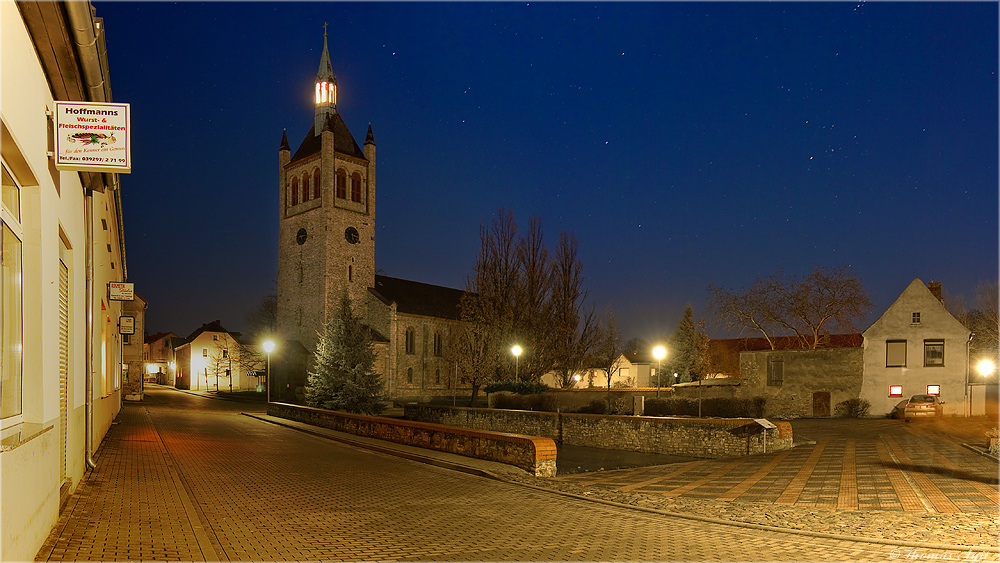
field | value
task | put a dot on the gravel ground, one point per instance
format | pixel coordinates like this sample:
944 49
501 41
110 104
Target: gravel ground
966 529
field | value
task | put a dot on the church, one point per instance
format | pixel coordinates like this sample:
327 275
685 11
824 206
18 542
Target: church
326 194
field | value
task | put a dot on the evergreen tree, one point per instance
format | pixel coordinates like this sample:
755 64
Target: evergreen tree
343 376
683 348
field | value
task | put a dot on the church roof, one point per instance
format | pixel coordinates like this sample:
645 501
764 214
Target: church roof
343 141
417 298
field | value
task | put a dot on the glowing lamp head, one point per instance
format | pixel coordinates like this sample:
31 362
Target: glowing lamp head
516 350
986 368
659 353
268 346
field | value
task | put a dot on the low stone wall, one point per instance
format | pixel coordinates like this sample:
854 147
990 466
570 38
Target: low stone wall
695 437
534 454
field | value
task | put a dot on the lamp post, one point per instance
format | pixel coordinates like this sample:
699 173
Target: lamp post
516 350
659 352
268 348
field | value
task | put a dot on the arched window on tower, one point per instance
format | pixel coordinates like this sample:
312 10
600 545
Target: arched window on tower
316 184
355 187
341 183
438 341
295 191
305 186
409 375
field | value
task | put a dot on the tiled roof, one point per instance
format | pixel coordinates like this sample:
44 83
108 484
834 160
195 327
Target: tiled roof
417 298
343 141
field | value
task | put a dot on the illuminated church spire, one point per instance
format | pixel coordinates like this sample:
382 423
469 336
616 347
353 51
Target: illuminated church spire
326 89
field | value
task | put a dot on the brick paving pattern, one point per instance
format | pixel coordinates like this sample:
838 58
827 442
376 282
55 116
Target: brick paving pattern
189 478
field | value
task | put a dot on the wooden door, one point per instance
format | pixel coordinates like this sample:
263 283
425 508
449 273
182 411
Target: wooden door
821 404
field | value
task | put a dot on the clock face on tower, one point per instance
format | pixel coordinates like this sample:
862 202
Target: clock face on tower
351 234
300 237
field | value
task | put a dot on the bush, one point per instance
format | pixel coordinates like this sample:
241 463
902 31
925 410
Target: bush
537 402
517 387
715 407
597 406
852 408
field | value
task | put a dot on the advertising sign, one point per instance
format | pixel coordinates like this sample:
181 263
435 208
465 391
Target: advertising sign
121 291
93 136
126 325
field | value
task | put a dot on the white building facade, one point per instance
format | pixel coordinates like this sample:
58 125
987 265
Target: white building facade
62 244
918 348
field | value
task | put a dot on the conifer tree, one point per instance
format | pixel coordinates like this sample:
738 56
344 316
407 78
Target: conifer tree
343 375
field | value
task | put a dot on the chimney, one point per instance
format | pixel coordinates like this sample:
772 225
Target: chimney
935 288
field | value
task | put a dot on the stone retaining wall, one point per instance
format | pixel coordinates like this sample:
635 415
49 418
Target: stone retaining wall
695 437
534 454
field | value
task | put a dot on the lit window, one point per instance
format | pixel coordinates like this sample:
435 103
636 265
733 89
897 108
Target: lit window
933 353
895 390
933 389
895 354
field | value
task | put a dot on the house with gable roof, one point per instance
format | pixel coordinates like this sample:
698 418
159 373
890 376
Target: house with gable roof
917 347
212 357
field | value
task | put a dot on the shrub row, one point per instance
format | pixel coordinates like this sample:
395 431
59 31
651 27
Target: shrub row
852 408
545 403
727 407
519 387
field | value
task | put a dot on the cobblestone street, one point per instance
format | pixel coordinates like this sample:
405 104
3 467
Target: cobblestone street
183 477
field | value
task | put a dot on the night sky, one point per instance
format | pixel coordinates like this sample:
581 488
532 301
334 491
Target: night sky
684 144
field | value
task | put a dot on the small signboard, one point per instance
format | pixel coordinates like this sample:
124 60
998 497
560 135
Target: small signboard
121 291
765 423
93 136
126 325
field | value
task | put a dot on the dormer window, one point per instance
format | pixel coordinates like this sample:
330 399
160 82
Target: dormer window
915 319
326 92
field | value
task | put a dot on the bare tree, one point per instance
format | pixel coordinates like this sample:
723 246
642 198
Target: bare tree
981 319
804 308
262 322
532 328
608 350
573 336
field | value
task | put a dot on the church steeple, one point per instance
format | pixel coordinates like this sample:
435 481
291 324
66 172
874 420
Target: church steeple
326 89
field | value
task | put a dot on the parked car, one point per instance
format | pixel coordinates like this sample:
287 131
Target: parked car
923 406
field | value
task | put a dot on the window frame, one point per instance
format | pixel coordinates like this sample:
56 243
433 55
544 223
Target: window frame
316 183
341 183
775 378
409 343
905 353
356 187
294 189
929 344
10 221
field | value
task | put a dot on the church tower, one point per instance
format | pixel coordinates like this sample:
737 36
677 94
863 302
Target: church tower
326 218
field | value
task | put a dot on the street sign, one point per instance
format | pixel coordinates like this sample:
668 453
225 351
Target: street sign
126 325
93 136
121 291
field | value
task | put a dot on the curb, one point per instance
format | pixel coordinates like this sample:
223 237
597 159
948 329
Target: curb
683 515
981 451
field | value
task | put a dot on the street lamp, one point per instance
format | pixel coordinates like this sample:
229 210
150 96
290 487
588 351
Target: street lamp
985 368
516 350
659 352
268 348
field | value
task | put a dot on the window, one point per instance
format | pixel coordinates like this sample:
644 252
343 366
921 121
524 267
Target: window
410 338
895 354
10 296
933 389
915 318
895 390
125 338
933 353
225 353
215 337
356 187
775 373
295 191
437 344
316 184
204 352
341 183
437 376
409 375
350 273
305 186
